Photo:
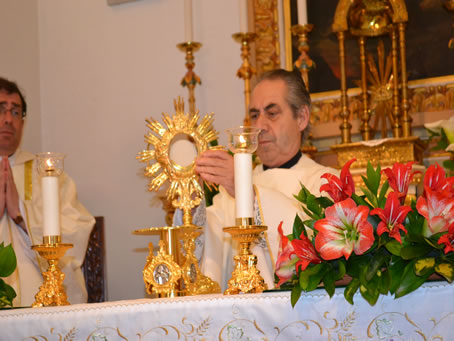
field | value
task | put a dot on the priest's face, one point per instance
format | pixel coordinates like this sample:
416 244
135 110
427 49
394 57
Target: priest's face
280 138
11 122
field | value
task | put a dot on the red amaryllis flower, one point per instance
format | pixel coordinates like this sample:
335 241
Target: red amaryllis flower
399 178
343 230
294 254
448 239
339 189
436 180
305 252
391 217
438 209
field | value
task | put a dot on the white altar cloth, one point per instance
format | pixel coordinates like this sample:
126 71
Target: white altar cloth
426 314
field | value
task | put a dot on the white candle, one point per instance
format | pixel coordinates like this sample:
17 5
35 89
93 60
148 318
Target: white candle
51 224
302 12
244 199
243 16
188 34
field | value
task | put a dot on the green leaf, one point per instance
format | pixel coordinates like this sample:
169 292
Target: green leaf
324 202
382 195
446 269
329 282
298 227
314 206
357 264
424 266
369 195
396 268
414 250
369 290
374 177
295 294
302 194
341 269
409 281
7 294
394 247
310 278
351 289
385 282
380 258
448 164
310 214
359 200
433 241
8 261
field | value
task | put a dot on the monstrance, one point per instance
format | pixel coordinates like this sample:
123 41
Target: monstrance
173 272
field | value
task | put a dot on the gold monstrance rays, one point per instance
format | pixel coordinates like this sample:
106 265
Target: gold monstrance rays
184 191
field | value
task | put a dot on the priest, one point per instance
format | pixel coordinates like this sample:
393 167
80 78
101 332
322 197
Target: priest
280 107
21 209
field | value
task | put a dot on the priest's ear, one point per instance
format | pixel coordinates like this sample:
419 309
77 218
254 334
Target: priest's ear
302 117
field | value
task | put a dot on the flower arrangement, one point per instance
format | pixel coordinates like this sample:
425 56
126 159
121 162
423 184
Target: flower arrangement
374 241
8 264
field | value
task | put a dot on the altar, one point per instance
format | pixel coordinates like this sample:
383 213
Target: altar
425 314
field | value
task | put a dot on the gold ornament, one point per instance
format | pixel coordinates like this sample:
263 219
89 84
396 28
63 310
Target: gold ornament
52 291
184 192
161 273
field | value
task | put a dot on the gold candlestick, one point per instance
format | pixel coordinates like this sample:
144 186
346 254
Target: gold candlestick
245 277
304 63
190 79
246 71
51 292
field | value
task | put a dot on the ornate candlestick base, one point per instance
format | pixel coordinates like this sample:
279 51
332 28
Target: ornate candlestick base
170 273
245 277
52 292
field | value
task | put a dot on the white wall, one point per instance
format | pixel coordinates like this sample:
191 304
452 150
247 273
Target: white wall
19 60
103 70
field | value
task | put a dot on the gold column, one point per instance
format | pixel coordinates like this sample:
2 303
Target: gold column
345 126
365 128
304 63
406 119
190 79
246 71
396 126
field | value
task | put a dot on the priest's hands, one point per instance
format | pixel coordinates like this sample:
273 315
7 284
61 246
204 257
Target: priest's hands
9 197
216 166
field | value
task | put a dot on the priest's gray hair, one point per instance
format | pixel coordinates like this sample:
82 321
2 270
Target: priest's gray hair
297 94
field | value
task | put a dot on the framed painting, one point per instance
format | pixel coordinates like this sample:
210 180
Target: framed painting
427 57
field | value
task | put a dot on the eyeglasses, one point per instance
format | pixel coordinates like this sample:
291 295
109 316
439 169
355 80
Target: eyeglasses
16 112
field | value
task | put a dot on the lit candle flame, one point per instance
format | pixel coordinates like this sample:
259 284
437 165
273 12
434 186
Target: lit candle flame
242 142
50 164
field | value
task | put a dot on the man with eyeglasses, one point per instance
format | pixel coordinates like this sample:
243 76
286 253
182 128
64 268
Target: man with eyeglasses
21 208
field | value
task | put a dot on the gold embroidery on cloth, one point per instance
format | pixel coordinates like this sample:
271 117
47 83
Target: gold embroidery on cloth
28 167
265 233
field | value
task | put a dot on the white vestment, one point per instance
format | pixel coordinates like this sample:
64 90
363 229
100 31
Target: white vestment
75 224
274 190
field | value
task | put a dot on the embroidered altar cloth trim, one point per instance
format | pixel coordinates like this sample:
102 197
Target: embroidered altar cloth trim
427 313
